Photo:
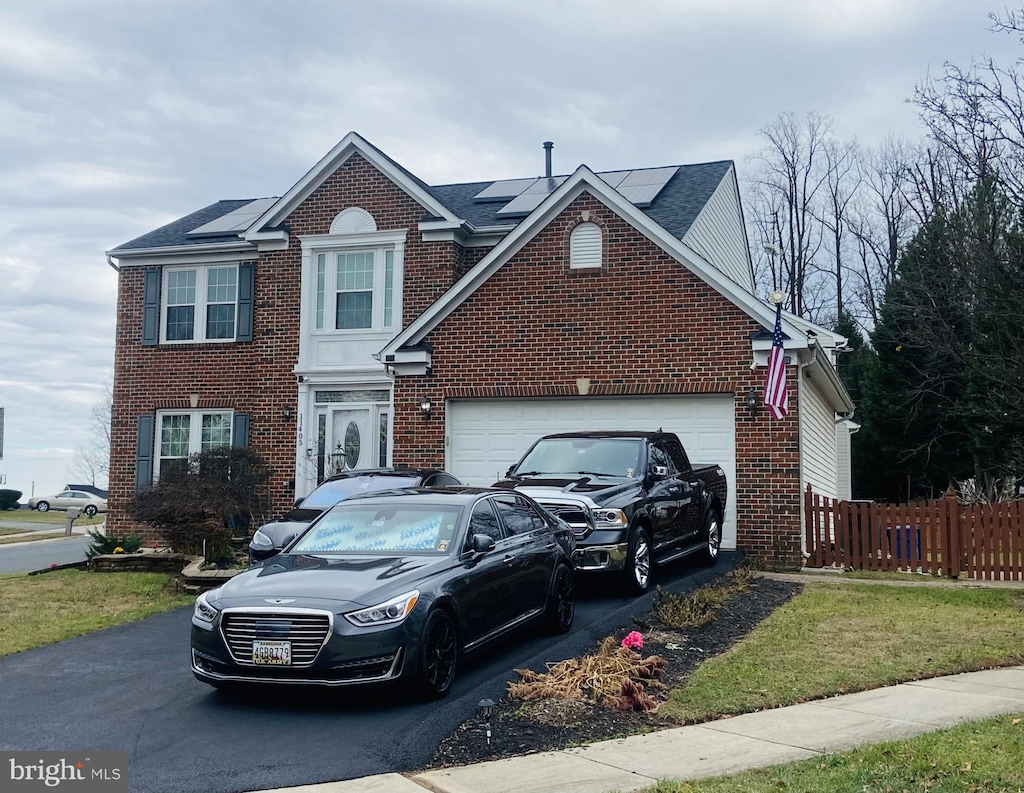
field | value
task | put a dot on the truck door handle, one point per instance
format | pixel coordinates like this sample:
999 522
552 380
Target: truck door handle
509 559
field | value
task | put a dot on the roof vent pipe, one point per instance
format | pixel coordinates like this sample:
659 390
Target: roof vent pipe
548 146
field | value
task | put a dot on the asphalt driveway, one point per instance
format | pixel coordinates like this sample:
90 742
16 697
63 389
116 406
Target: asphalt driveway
129 688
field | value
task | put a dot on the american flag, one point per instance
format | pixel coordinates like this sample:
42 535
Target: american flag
776 396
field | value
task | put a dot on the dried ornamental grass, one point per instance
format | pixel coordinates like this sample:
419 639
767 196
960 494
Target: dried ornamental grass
615 678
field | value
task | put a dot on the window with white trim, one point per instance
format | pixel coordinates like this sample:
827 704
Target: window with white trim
181 434
354 289
585 246
199 304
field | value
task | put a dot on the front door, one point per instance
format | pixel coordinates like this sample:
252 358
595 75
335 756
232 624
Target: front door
348 443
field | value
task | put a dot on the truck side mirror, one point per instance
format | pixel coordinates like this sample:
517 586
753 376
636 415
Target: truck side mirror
659 471
511 470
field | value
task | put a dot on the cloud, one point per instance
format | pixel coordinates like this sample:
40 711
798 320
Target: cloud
32 53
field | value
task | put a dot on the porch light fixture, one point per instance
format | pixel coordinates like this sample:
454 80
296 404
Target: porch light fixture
753 403
288 414
425 406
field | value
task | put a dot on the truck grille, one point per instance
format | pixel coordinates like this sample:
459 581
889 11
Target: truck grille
307 633
577 516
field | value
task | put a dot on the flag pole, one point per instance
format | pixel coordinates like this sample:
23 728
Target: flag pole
776 399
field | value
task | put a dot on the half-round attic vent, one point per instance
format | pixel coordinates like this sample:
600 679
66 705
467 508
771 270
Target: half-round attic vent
353 221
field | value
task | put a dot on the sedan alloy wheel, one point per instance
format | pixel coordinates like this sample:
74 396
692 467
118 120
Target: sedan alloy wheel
439 653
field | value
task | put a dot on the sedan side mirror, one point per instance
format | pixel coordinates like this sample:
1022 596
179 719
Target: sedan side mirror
482 543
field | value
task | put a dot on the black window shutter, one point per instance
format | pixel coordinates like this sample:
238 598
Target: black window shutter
240 430
151 308
144 453
245 295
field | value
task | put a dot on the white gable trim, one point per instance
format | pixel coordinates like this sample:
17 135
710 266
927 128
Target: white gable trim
351 144
586 180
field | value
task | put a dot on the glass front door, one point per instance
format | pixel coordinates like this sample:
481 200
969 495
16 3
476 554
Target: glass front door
351 437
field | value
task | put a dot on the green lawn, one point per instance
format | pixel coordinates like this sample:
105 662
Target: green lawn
57 517
980 757
43 609
839 639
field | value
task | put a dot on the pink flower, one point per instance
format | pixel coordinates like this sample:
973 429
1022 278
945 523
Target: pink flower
53 565
634 641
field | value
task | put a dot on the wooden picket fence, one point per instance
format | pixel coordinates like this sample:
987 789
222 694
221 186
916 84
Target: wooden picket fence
941 537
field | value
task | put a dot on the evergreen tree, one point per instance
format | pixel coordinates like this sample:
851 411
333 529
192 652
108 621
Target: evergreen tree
937 398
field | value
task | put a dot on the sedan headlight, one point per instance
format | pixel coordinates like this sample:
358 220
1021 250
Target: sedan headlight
610 519
395 610
203 611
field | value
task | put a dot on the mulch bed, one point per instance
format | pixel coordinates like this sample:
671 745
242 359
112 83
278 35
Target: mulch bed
519 727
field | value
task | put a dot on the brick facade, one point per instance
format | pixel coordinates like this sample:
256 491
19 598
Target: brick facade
641 324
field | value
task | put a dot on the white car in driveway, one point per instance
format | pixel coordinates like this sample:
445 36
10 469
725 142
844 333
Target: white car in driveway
89 503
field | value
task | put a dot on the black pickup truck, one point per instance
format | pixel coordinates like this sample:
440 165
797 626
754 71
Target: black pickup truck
631 498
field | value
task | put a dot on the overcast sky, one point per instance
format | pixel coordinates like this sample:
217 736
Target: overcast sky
117 117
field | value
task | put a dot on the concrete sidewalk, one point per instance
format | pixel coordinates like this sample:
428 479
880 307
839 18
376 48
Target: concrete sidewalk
727 746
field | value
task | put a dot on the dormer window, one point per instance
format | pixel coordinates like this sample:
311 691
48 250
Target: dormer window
585 246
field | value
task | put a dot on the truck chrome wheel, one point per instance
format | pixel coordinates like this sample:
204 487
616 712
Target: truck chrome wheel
713 540
638 562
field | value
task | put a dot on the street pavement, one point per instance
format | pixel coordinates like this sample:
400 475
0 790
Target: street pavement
727 746
32 555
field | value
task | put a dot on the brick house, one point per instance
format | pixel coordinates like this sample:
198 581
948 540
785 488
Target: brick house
366 318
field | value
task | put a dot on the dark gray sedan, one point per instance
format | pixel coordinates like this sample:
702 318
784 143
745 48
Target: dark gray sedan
389 586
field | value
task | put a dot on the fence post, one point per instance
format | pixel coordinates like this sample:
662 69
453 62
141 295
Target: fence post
954 535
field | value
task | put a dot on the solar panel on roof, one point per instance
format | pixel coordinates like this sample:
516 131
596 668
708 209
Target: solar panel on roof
237 220
504 190
652 176
614 178
532 196
523 205
641 187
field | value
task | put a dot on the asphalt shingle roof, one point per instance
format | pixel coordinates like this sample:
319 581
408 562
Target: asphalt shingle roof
675 207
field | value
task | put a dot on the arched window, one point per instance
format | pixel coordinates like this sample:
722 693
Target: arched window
585 246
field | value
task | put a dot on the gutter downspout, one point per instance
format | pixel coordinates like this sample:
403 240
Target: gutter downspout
111 263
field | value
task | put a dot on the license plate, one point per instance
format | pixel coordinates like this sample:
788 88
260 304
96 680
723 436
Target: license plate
272 653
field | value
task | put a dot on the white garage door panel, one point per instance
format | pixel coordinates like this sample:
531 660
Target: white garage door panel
485 437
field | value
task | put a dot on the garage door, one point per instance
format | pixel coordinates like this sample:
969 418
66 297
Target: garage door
485 437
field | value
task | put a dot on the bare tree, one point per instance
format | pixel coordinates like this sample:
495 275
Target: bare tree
785 186
91 460
976 113
840 186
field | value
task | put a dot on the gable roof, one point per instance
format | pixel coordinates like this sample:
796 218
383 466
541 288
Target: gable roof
582 180
351 144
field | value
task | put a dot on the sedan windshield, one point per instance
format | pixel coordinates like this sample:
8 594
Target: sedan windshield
382 528
330 493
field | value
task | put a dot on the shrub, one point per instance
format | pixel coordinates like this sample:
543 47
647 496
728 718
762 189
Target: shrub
198 506
100 544
9 499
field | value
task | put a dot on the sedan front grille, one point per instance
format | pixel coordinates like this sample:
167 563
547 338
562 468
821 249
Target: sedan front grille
307 631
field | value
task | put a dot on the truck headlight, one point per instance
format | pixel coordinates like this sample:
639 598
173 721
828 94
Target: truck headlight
610 519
